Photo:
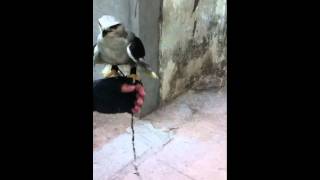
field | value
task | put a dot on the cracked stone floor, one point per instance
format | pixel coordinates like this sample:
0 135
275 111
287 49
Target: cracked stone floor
183 140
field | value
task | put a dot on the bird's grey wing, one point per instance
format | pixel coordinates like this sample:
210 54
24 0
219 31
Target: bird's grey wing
94 47
96 56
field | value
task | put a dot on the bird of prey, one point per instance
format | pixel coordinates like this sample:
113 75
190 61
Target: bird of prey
117 46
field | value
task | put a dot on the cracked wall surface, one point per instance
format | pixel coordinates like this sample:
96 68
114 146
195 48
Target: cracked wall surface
192 46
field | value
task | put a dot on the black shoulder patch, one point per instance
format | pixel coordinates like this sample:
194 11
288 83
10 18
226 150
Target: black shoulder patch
137 48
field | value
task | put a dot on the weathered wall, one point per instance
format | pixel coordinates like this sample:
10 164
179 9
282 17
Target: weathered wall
192 46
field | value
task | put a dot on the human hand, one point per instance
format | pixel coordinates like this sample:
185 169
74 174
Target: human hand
140 93
117 95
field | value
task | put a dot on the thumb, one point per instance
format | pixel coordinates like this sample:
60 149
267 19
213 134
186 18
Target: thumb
126 88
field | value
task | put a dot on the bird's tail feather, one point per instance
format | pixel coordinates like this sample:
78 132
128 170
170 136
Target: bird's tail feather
147 69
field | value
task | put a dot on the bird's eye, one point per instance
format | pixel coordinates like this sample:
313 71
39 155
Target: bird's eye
105 32
115 26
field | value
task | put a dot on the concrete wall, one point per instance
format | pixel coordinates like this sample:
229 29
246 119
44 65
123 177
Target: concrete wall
145 25
192 46
149 33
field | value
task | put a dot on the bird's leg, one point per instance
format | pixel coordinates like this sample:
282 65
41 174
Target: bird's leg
114 72
133 74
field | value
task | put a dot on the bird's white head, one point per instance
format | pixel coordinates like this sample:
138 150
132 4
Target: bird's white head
111 27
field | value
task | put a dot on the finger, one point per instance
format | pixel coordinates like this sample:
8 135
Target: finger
138 86
133 110
136 109
141 91
139 101
139 96
126 88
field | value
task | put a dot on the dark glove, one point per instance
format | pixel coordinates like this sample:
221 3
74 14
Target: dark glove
111 95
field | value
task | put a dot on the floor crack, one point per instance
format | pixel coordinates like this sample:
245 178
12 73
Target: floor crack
177 170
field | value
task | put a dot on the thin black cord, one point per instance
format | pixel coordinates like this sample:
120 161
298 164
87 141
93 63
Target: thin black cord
134 149
133 146
121 72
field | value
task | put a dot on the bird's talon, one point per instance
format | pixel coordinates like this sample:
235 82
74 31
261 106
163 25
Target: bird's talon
113 73
134 77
